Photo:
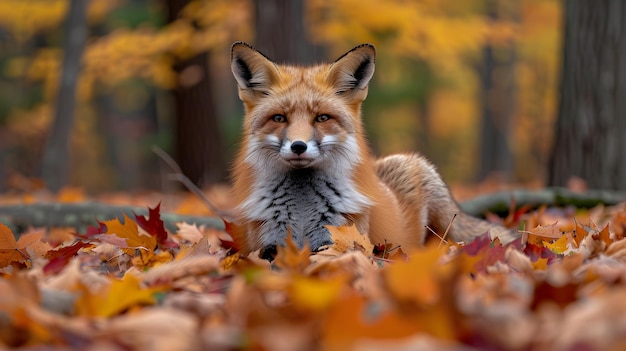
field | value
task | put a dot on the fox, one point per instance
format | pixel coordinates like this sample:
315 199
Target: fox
304 163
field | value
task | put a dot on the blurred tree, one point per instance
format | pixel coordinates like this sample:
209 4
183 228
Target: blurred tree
198 140
280 32
497 96
589 135
57 160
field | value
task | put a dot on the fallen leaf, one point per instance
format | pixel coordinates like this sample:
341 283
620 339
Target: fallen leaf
354 318
12 251
418 280
154 226
349 238
116 298
129 231
559 246
314 294
550 231
290 257
59 257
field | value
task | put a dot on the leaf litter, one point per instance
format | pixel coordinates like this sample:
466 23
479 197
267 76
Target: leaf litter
129 284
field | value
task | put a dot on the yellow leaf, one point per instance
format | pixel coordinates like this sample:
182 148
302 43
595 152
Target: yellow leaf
541 264
118 297
559 246
315 294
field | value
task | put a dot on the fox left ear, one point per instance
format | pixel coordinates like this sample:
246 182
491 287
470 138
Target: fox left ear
252 70
354 70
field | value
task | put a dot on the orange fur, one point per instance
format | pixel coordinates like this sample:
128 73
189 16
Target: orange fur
392 199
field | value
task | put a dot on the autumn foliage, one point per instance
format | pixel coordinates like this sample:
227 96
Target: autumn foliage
127 283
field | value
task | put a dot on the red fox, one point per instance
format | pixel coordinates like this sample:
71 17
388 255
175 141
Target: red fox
304 162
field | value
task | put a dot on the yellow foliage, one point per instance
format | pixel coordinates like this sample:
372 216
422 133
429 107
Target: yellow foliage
145 52
25 18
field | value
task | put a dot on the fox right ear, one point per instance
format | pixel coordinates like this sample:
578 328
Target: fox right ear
353 71
252 70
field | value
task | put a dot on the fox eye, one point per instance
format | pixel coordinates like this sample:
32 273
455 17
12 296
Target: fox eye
279 118
322 118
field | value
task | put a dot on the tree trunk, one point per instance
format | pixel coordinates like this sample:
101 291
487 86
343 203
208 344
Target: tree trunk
281 33
589 135
498 101
198 140
56 163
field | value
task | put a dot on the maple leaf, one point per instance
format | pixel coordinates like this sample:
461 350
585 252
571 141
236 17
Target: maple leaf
290 257
481 253
558 246
129 231
116 298
579 234
604 235
61 256
92 231
12 251
154 226
348 238
188 234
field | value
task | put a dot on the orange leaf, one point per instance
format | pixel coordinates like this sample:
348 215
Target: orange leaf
351 320
8 247
604 235
33 242
348 237
418 280
579 234
129 231
290 257
10 251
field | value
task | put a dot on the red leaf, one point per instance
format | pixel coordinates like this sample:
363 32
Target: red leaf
486 252
93 231
154 226
60 257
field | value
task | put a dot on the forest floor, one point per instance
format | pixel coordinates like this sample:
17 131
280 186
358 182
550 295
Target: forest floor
128 283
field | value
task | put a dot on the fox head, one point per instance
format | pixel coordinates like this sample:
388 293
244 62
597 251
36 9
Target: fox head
302 117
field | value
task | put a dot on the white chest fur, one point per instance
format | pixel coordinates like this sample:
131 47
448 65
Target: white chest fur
304 200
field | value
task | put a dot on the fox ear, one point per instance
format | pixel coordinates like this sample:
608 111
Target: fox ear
252 70
353 70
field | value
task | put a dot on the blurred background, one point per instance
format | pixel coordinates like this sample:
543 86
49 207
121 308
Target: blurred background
87 87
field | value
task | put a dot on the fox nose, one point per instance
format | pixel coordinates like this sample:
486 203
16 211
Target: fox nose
298 147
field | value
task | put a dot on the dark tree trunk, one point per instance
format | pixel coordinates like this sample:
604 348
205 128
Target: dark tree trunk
56 163
198 139
589 135
281 33
499 104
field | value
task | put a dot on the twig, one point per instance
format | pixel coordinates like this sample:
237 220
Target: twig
183 179
437 235
445 234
